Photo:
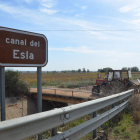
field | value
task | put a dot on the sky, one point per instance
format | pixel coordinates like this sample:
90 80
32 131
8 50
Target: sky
90 34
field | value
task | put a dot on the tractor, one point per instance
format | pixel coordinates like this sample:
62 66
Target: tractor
112 79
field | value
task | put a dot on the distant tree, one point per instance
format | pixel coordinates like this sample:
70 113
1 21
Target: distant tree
129 68
73 71
53 72
79 70
87 70
99 70
63 71
84 70
104 69
124 68
135 69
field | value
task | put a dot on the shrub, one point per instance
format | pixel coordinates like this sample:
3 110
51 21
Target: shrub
14 86
138 130
134 108
136 116
134 103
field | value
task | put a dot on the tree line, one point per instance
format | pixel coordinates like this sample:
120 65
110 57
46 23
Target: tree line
70 71
133 69
79 70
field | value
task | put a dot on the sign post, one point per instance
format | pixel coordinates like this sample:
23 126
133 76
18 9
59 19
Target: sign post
39 94
2 92
22 49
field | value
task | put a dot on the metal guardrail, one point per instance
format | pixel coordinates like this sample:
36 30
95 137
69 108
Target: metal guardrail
88 126
24 127
71 91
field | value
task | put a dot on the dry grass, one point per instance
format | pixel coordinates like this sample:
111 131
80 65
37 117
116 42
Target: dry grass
57 78
49 78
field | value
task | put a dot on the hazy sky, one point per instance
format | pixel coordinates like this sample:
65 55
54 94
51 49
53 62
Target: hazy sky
87 34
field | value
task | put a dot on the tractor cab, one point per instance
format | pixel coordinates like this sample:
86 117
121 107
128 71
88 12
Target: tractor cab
112 75
119 75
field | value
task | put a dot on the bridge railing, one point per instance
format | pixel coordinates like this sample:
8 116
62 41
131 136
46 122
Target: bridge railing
24 127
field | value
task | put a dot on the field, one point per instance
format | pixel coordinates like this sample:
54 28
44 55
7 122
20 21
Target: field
65 79
56 79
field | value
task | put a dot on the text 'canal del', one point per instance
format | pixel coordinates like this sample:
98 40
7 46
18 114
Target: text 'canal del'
17 54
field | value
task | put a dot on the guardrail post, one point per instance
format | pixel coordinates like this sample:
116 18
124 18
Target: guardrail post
94 131
113 119
54 132
22 107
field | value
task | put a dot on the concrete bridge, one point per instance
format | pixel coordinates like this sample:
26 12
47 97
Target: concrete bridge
71 96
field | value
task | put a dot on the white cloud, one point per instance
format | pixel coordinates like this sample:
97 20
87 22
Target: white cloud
78 15
39 16
70 11
9 9
48 3
120 2
137 22
132 8
48 11
108 54
128 8
28 1
82 49
83 7
122 20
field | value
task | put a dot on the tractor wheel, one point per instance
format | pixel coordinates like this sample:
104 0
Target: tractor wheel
95 89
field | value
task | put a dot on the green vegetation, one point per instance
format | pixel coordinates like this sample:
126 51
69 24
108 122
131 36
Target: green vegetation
104 70
133 69
126 128
79 70
129 126
14 86
84 70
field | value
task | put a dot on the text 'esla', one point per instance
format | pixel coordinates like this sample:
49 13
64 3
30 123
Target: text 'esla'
17 54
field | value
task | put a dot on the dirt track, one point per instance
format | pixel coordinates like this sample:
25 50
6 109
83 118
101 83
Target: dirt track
82 93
